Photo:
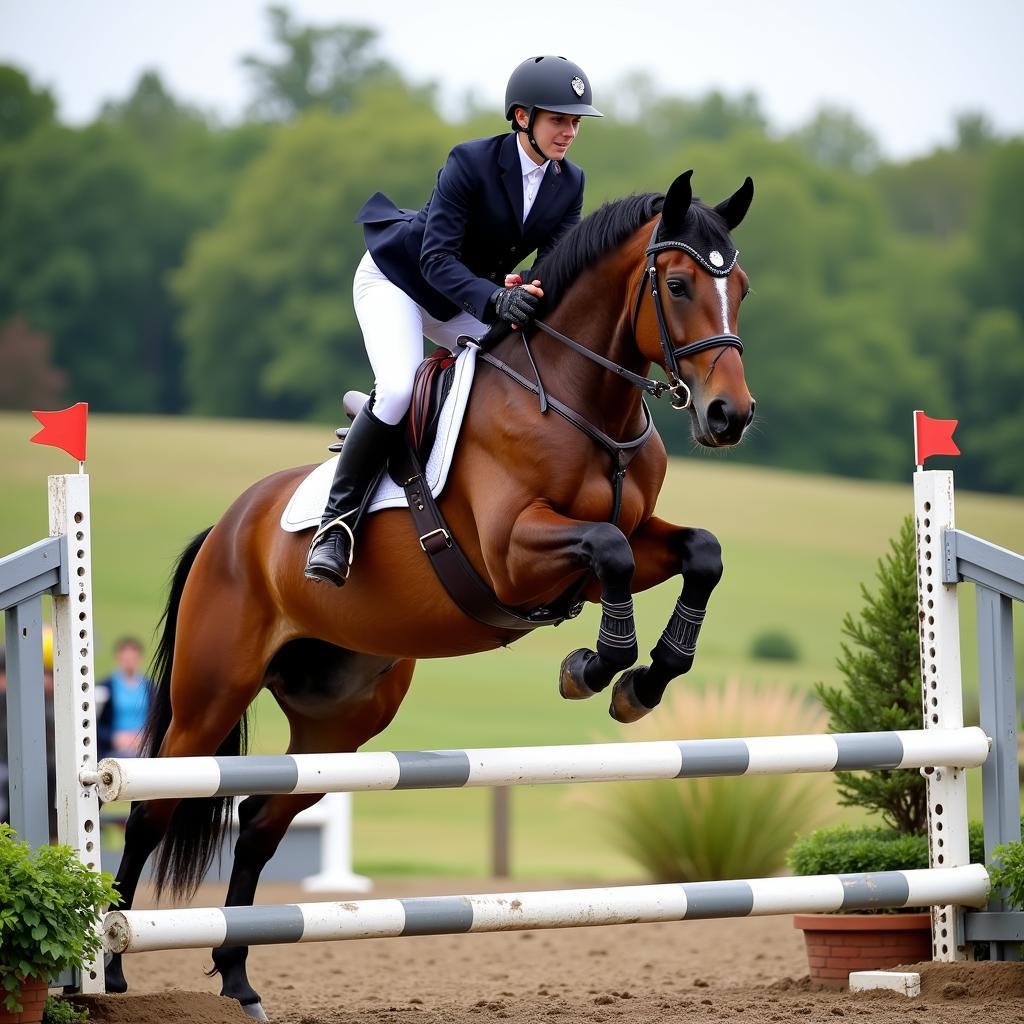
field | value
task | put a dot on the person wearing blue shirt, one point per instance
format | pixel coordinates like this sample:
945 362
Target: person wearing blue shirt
444 271
123 700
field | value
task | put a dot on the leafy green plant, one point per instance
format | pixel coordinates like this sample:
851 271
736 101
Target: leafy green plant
49 903
59 1011
774 645
1007 872
882 693
698 829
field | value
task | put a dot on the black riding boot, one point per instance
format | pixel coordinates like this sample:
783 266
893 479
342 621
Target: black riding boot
363 454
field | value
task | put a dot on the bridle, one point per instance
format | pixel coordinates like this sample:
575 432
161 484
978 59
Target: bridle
682 397
678 388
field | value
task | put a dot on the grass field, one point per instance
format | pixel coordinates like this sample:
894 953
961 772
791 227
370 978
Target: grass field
796 548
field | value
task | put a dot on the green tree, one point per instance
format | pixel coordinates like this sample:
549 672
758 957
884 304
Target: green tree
22 108
992 413
882 671
998 259
268 319
319 66
835 138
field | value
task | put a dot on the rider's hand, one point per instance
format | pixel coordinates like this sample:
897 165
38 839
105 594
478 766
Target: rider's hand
518 303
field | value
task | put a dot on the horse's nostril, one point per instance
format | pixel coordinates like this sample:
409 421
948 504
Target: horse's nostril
718 416
750 415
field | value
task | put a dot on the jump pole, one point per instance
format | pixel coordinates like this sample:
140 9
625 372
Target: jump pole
149 779
138 931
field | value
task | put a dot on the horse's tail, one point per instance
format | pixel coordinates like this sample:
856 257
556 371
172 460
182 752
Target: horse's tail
198 824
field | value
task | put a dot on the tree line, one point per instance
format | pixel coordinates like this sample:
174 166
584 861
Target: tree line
157 260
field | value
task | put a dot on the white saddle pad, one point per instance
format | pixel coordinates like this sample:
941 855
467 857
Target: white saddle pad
306 507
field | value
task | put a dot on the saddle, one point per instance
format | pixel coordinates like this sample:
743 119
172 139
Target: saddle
431 386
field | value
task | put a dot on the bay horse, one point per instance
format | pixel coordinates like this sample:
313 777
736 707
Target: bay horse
645 280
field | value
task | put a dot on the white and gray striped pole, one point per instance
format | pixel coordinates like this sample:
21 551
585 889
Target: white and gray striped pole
138 931
159 778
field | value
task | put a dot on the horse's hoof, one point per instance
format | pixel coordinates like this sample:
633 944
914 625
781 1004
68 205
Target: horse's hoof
625 706
571 682
254 1010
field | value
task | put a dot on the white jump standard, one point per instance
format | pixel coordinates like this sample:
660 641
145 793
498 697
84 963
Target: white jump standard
148 778
138 931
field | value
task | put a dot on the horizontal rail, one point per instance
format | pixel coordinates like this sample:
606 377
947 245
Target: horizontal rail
33 571
138 931
157 778
976 560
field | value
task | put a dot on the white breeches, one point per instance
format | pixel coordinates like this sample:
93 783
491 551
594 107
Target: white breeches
394 327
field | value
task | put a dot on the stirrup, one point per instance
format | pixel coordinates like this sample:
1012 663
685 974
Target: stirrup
324 530
329 570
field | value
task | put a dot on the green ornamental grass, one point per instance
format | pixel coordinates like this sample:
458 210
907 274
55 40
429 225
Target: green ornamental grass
49 902
718 828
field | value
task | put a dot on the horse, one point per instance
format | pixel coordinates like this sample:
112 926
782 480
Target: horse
649 279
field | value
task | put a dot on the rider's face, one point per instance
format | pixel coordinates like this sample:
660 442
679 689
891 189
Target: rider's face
554 132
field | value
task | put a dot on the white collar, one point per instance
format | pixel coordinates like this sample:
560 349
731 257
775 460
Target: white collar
527 164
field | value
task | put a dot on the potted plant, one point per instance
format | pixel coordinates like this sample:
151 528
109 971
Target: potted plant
1007 873
880 664
49 904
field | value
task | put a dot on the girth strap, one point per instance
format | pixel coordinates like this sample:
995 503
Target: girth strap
456 573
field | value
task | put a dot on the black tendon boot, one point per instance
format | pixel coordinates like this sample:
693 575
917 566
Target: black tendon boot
363 454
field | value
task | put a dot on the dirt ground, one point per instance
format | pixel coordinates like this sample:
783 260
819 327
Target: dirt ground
751 970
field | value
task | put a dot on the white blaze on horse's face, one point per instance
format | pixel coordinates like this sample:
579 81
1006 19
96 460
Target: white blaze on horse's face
722 286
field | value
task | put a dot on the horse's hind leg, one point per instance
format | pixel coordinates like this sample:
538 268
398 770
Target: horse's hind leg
662 550
216 673
263 820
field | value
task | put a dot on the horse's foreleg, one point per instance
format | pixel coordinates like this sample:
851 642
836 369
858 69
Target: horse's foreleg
544 541
663 550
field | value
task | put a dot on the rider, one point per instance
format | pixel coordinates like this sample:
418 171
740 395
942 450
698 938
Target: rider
433 272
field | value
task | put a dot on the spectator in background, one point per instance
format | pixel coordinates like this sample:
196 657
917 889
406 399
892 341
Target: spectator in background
122 700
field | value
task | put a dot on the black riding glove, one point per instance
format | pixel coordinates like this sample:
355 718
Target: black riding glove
516 305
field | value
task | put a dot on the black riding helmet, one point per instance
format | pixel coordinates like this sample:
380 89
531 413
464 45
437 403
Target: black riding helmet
548 83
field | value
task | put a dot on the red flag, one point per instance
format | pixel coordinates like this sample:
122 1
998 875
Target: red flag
64 429
933 437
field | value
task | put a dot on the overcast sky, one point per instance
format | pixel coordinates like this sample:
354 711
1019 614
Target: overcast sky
904 67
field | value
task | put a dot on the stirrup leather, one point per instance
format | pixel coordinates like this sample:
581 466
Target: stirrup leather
325 529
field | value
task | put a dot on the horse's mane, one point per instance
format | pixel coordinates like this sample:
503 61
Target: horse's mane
593 237
583 245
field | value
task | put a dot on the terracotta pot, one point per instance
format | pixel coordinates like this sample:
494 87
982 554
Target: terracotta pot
33 999
840 943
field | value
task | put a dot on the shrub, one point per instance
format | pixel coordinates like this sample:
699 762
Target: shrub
57 1011
882 670
49 903
700 829
774 645
1007 872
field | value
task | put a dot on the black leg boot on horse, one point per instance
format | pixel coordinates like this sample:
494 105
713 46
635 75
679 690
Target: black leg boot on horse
362 458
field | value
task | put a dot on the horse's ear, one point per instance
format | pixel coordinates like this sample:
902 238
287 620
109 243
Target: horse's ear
677 202
734 209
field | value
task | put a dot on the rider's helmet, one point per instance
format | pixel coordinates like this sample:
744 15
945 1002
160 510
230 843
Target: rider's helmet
548 83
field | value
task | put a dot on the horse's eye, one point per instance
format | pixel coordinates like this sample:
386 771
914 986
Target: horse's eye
746 292
678 287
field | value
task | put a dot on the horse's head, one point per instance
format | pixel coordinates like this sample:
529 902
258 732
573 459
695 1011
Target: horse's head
690 328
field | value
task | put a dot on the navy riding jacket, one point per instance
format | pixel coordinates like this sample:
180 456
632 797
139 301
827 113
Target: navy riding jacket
453 253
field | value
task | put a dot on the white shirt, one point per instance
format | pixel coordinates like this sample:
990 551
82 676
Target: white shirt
533 175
